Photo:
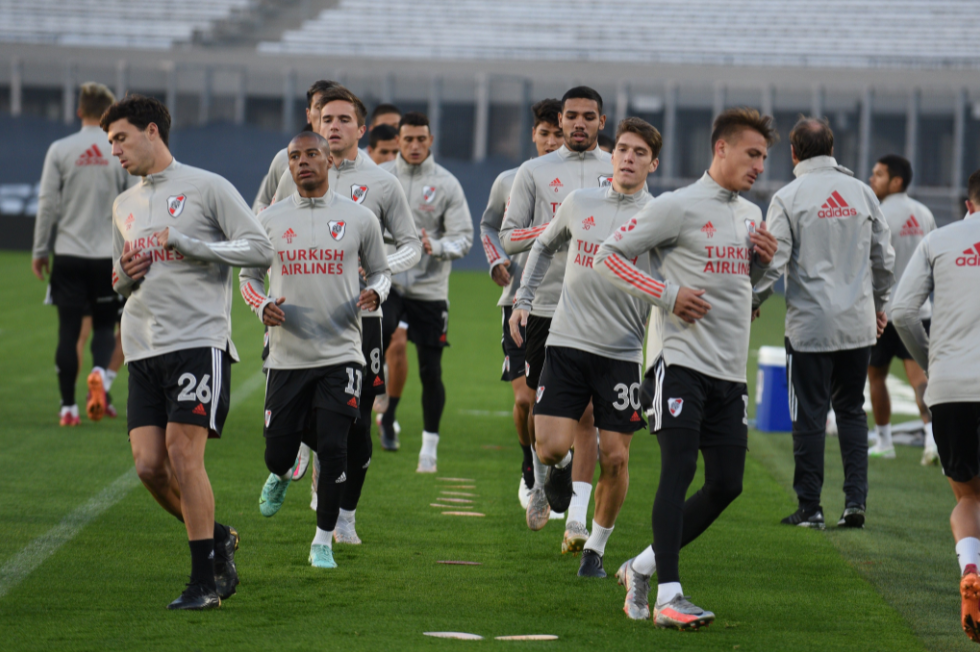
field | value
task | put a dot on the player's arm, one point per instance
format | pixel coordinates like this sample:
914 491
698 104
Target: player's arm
251 283
913 290
400 223
490 223
375 266
457 224
48 212
267 189
777 221
517 233
543 251
882 257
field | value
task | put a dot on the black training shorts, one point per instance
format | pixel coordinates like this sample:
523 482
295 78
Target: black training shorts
513 367
291 395
535 339
956 427
78 282
428 321
372 346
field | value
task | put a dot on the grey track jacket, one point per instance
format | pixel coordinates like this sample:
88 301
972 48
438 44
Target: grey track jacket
317 243
698 237
267 189
909 222
946 262
438 206
593 314
540 187
79 182
835 250
493 218
184 301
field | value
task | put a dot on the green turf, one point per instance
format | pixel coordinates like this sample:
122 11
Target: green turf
773 587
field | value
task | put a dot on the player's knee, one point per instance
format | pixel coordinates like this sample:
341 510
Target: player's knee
614 463
524 401
153 474
279 461
725 491
184 457
430 371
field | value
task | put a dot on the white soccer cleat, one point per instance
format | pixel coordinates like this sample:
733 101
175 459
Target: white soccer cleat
313 481
637 605
576 534
538 509
523 493
345 533
930 456
302 462
427 464
882 452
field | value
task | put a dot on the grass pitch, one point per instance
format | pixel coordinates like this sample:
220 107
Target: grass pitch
889 587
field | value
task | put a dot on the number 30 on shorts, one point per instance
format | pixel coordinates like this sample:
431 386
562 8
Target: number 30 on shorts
628 396
191 390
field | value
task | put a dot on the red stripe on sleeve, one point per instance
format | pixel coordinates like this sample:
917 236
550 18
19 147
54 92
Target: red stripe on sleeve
631 275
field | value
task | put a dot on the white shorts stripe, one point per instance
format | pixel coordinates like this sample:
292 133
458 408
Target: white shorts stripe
215 386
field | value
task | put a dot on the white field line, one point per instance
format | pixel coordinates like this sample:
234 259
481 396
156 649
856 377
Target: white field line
37 551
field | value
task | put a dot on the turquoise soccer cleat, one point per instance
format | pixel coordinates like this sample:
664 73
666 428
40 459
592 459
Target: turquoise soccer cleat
321 556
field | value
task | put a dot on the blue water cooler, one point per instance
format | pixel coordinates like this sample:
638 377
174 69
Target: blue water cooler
771 394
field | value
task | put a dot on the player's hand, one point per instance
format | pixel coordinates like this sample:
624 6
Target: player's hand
273 314
764 242
500 275
426 243
518 318
134 262
163 238
40 267
756 313
689 305
882 321
368 300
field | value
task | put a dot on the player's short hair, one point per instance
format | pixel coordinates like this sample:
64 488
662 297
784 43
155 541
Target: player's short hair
414 119
94 99
607 143
380 134
732 121
811 137
644 130
319 86
546 111
385 108
140 111
582 93
973 187
898 166
339 93
321 142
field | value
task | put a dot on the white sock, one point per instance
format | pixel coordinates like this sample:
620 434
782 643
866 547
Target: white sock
578 511
666 592
540 470
884 436
285 476
347 517
930 440
430 441
597 540
101 372
323 538
72 409
968 552
565 461
108 375
645 562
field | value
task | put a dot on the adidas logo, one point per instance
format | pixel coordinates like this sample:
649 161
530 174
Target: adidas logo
708 229
92 156
970 257
556 184
200 410
635 417
352 402
342 478
835 206
588 222
378 382
129 221
289 235
911 227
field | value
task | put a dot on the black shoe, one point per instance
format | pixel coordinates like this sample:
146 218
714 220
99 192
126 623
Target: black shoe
225 572
389 440
558 488
812 518
591 564
853 516
196 597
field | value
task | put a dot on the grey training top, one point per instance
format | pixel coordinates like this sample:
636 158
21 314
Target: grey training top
267 189
909 222
493 218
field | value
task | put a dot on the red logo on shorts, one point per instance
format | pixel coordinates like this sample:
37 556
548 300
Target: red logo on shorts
200 410
378 382
442 338
352 402
635 417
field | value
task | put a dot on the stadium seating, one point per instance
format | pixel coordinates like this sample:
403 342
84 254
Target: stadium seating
838 33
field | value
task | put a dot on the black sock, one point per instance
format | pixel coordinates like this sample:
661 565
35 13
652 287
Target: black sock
388 418
202 562
527 467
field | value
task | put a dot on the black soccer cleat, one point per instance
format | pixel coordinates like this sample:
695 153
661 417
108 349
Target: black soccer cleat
558 488
196 597
389 438
852 517
225 571
811 518
591 564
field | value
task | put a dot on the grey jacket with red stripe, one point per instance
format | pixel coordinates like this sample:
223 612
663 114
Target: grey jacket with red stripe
909 222
493 218
697 237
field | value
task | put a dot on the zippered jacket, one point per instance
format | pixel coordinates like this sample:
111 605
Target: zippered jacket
493 218
909 222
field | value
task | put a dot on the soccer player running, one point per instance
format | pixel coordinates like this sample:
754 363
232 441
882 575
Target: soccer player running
707 245
506 272
177 235
313 309
834 248
909 222
540 187
420 296
595 345
945 264
78 185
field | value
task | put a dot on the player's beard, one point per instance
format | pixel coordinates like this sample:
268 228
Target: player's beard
584 146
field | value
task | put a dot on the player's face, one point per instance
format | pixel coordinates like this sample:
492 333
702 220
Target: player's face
881 182
632 161
414 143
386 151
581 124
390 119
743 159
338 124
546 138
132 146
313 112
308 163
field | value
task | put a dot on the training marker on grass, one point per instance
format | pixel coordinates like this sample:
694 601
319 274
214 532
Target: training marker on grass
460 563
459 635
458 493
462 514
456 500
455 479
528 637
443 506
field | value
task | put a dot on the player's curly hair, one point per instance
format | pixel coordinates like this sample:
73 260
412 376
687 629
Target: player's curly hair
731 121
546 111
140 111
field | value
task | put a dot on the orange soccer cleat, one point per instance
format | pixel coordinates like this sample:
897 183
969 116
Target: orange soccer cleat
970 607
95 406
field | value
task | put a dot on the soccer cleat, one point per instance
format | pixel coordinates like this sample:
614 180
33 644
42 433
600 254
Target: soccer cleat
538 509
96 403
196 597
110 411
679 613
69 419
273 494
523 493
853 517
389 440
806 518
556 516
558 487
576 534
930 456
314 481
637 605
427 464
302 462
321 556
591 564
225 571
970 605
344 532
882 452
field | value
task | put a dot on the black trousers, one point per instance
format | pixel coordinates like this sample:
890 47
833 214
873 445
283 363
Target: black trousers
816 381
